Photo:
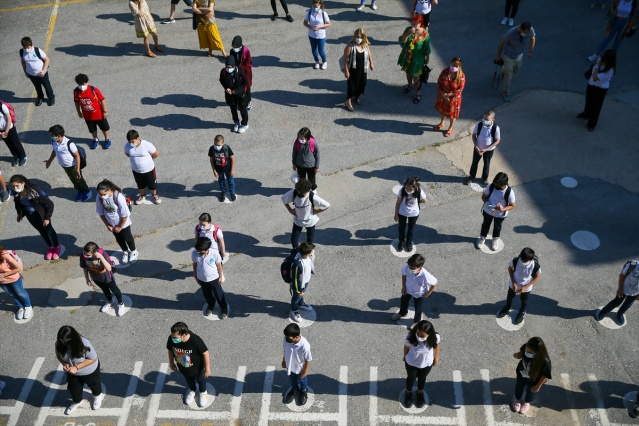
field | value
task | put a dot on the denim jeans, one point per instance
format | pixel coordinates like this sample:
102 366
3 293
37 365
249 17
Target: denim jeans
317 48
200 380
616 33
18 293
223 178
297 231
296 300
213 292
625 302
297 382
521 384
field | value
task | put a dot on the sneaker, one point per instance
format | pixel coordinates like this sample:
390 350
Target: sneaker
38 102
374 6
396 316
324 65
484 182
524 408
139 200
480 242
400 246
224 315
593 58
51 102
87 195
15 161
359 9
233 197
289 18
249 106
203 399
622 319
305 307
189 397
243 128
23 161
495 243
515 405
468 181
56 252
511 22
503 312
120 309
208 312
222 197
20 314
133 256
71 408
295 316
169 21
49 254
506 97
156 199
504 21
236 127
520 317
290 396
107 144
78 196
420 400
303 398
634 412
598 315
274 17
28 312
106 306
97 401
5 196
316 66
408 399
409 247
125 257
94 144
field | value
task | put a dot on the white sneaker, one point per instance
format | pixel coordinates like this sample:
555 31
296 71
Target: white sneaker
480 242
316 66
324 65
190 396
71 408
495 244
125 257
242 129
202 400
97 401
374 6
504 21
236 127
295 316
359 9
28 312
397 316
593 58
120 309
20 314
133 256
511 22
106 307
305 307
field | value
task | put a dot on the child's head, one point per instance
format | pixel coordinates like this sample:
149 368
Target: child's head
132 135
303 186
202 245
306 248
106 188
501 180
178 330
292 333
205 221
423 332
416 262
26 42
18 183
527 254
411 184
56 131
304 133
318 3
81 79
219 140
90 248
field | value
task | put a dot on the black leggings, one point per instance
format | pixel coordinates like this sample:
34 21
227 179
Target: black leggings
485 226
416 373
402 234
124 238
307 173
200 380
47 232
109 287
13 143
511 8
284 6
75 384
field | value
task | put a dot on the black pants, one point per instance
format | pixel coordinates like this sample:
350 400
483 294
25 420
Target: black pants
413 373
297 231
284 6
417 303
213 292
200 380
124 238
522 384
14 144
625 302
511 295
75 384
487 156
426 18
403 235
485 226
109 287
235 105
38 82
511 8
307 173
594 101
48 234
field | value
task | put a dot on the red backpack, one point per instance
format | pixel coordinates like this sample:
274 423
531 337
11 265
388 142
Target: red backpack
12 111
216 228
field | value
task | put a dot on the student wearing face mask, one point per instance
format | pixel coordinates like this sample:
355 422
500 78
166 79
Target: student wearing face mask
523 271
421 354
306 206
111 206
142 153
498 200
11 268
207 33
423 8
407 211
511 52
358 61
486 137
243 60
222 162
68 156
316 20
206 228
297 361
208 273
31 202
533 370
417 285
96 265
235 83
91 105
306 156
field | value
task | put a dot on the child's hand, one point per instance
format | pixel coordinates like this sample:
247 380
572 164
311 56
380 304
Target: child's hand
283 364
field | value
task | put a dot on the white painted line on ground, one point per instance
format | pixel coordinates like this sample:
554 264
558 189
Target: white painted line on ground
154 404
599 412
488 400
48 398
15 411
266 395
343 395
565 382
459 398
130 391
237 394
372 392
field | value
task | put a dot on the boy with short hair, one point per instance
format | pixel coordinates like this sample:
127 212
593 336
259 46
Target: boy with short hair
297 361
69 158
142 153
417 284
498 200
524 271
90 104
306 206
35 64
208 273
627 292
301 271
223 164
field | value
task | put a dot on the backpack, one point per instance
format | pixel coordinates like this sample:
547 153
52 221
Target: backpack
216 228
506 195
286 267
311 143
493 130
404 195
107 258
82 152
535 268
631 268
298 195
12 111
126 198
36 51
14 254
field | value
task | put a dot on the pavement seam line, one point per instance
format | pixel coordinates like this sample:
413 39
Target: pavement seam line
38 6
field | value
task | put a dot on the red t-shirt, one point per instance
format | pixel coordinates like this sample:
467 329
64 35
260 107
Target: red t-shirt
89 103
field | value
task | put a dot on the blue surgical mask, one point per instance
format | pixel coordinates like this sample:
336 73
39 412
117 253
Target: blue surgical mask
316 9
358 40
487 123
176 340
53 139
132 144
529 355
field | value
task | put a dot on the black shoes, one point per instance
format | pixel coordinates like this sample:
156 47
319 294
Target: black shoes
420 400
408 399
222 198
409 247
520 317
303 398
38 102
503 312
400 246
290 396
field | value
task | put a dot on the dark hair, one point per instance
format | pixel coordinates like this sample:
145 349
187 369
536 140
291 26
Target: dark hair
414 182
181 328
292 330
306 132
132 134
427 328
527 254
31 188
107 185
82 79
609 59
525 25
90 247
56 130
203 243
541 355
303 186
26 42
205 217
306 248
69 340
218 138
416 260
501 179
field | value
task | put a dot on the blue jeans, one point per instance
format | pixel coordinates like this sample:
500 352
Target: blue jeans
363 3
616 34
297 382
222 179
18 293
317 48
521 384
296 300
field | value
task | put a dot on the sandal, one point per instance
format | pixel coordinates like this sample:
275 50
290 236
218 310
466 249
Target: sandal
349 107
449 132
417 98
150 54
439 126
407 88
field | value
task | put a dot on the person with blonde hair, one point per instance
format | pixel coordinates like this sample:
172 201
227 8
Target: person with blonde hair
358 60
450 85
207 33
415 43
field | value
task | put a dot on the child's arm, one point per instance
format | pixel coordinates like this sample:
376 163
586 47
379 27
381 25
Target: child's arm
429 292
436 356
397 203
406 349
232 172
539 384
172 361
283 362
207 364
403 285
533 281
212 161
47 163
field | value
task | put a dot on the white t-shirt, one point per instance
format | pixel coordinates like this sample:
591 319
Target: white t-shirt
3 117
209 234
307 268
420 284
631 282
90 354
422 7
523 274
141 160
304 209
498 197
296 355
408 206
32 63
206 266
603 78
314 19
111 211
422 355
485 136
64 152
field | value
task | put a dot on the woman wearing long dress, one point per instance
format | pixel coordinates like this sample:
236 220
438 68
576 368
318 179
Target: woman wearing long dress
207 33
450 85
358 60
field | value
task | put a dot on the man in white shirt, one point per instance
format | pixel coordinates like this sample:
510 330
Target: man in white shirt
486 137
35 64
297 361
306 206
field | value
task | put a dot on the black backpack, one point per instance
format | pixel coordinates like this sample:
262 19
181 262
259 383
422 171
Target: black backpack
286 267
535 268
82 152
298 195
491 188
493 131
36 51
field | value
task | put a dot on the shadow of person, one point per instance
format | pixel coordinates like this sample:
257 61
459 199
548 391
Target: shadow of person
182 100
398 174
9 96
296 99
274 61
382 126
170 122
323 84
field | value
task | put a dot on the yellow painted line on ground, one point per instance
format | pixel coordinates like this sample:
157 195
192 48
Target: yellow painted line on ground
38 6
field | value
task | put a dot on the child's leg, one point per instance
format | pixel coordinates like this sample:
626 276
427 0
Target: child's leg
231 180
524 301
221 180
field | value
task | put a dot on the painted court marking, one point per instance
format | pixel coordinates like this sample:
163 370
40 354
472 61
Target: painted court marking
569 182
217 311
128 304
413 409
488 403
301 408
609 321
508 322
15 411
585 240
211 394
308 318
476 187
266 415
403 253
488 246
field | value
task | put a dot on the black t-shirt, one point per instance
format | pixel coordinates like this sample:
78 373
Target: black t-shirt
523 368
222 158
188 355
96 268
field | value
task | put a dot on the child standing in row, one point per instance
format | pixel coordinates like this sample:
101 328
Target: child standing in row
407 211
421 354
142 153
306 207
207 271
68 157
297 361
306 156
206 228
96 265
301 270
417 284
112 208
223 164
523 271
533 370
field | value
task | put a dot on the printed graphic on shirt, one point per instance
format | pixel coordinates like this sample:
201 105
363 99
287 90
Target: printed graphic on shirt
183 357
87 104
109 205
94 265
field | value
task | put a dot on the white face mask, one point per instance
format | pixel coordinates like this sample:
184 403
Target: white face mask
421 339
409 192
302 141
132 143
83 87
17 190
358 40
527 263
529 355
217 147
415 271
205 227
237 49
104 197
487 123
230 70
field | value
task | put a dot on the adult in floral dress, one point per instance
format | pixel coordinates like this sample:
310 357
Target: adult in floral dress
450 85
415 42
